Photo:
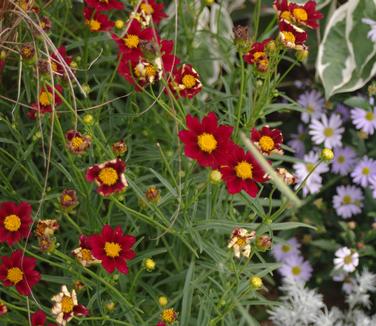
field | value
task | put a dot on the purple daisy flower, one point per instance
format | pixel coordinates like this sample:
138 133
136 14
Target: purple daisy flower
296 268
327 131
344 160
343 111
372 33
364 120
281 251
373 186
313 103
348 201
297 141
364 171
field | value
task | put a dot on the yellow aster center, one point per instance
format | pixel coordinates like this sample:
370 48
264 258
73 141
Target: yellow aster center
95 25
286 15
346 200
285 248
131 41
44 98
341 159
147 9
300 14
348 259
310 109
207 142
288 37
266 143
365 171
112 249
15 275
328 132
108 176
12 223
150 71
168 315
67 304
310 167
241 242
243 170
76 142
296 270
189 81
86 254
370 116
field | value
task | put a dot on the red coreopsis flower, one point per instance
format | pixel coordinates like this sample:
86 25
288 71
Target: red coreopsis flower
39 318
103 5
83 253
58 58
149 11
267 140
76 142
96 21
242 172
130 45
292 36
47 98
258 56
206 141
186 81
15 221
109 176
19 270
294 13
113 248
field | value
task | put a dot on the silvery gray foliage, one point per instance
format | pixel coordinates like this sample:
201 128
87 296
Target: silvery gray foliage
301 306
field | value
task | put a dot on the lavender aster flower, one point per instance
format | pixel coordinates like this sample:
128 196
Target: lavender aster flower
296 268
373 186
364 171
364 120
372 33
348 201
313 103
281 251
343 111
344 160
327 131
297 141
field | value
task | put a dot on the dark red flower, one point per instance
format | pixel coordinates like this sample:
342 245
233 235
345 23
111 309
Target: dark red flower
15 221
258 56
241 172
186 81
267 140
39 318
103 5
130 44
18 270
149 12
292 36
76 142
46 100
96 21
109 176
83 253
113 248
206 141
68 199
58 58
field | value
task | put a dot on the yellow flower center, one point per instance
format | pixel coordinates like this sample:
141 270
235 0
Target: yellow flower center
105 1
54 66
168 315
296 270
42 24
207 142
348 259
241 242
147 9
26 51
189 81
341 159
112 249
310 167
258 55
288 37
346 200
370 116
44 98
76 142
67 304
15 275
12 223
328 132
285 248
286 15
244 170
365 171
131 41
66 197
266 143
108 176
310 109
150 71
94 25
86 254
300 14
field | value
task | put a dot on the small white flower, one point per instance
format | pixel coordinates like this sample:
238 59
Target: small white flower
240 242
346 259
327 131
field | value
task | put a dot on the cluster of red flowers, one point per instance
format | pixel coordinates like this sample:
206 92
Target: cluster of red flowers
211 146
144 57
